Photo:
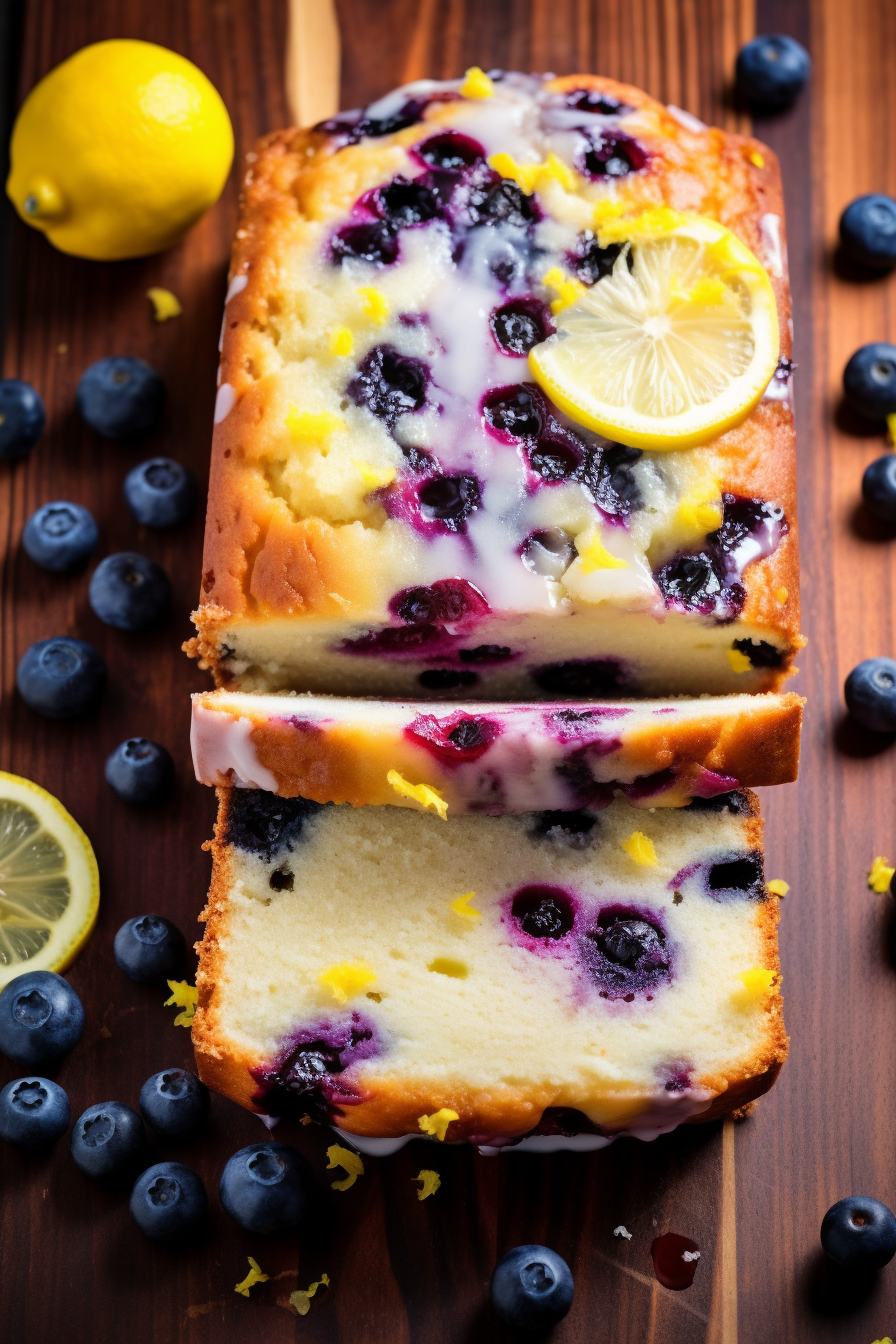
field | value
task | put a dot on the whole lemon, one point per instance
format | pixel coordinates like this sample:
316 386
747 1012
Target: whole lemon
117 151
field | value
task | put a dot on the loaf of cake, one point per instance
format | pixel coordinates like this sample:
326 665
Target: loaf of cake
397 506
495 758
488 978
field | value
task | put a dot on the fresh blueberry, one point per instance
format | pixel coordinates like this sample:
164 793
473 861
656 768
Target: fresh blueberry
61 678
450 500
174 1103
879 488
869 380
389 384
33 1112
22 419
771 70
120 397
168 1202
374 242
870 694
149 949
868 231
60 536
129 591
160 492
610 154
544 912
140 771
520 325
859 1233
109 1140
41 1018
532 1288
266 1188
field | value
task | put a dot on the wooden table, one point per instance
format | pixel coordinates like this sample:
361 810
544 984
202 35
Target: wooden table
752 1195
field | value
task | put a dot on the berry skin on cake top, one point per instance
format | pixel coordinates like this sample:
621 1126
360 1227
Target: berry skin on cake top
422 482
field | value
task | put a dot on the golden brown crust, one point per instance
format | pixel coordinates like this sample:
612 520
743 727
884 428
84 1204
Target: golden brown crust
260 561
394 1109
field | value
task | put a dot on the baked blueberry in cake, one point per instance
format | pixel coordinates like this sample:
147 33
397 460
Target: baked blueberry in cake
493 758
488 978
409 496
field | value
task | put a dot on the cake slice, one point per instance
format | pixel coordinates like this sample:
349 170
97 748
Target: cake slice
498 757
397 505
488 978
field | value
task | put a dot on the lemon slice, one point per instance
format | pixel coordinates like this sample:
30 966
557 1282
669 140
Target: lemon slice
49 882
672 349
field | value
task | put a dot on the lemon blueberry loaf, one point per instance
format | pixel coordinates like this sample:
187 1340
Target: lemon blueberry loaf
494 758
504 405
486 978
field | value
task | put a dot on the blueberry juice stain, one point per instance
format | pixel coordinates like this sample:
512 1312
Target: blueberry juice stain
675 1260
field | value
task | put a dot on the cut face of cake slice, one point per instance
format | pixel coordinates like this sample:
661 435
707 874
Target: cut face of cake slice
485 978
418 483
495 758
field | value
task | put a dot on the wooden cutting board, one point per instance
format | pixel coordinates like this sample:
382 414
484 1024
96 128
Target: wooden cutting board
752 1195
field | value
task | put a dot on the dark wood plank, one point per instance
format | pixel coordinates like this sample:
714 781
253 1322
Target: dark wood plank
401 1270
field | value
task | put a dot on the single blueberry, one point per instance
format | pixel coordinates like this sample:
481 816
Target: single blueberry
691 580
140 771
41 1018
543 912
870 694
591 262
869 380
61 678
739 872
593 100
520 325
374 242
175 1103
121 397
450 500
531 1288
628 940
129 591
760 652
879 488
267 1188
771 70
580 678
446 679
504 203
389 384
109 1140
449 152
160 492
859 1233
169 1202
22 419
868 231
34 1112
404 203
149 949
570 829
515 412
60 536
263 824
611 154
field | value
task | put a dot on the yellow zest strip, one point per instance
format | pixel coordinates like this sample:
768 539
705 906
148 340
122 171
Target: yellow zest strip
437 1124
566 289
756 983
461 906
881 875
431 1182
700 511
891 426
346 979
312 427
649 224
887 1340
374 477
421 793
374 303
342 342
594 555
350 1162
254 1276
780 595
640 847
183 996
739 661
457 970
777 886
476 84
534 176
756 158
301 1298
165 304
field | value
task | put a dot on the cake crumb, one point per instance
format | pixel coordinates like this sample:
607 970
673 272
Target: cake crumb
301 1298
881 875
254 1276
437 1123
641 848
165 304
349 1160
431 1182
421 793
622 1231
184 996
778 887
105 1032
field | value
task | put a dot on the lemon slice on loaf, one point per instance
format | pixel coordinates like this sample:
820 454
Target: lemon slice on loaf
49 882
676 345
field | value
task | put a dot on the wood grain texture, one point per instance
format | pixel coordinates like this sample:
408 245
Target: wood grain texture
313 60
405 1272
